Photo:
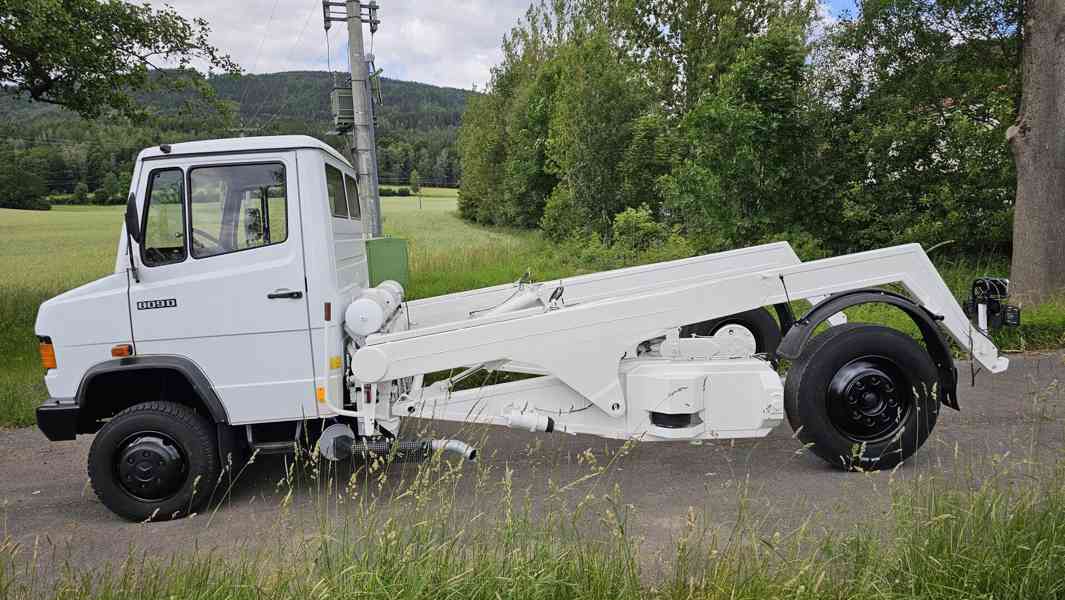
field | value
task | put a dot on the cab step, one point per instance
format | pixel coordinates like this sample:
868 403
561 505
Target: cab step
274 447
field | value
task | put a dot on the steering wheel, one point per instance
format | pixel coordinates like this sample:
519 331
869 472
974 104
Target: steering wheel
156 255
198 233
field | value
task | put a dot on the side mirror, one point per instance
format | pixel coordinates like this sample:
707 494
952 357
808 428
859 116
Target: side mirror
133 224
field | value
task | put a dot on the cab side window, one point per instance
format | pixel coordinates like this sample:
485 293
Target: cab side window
334 183
354 210
164 219
237 207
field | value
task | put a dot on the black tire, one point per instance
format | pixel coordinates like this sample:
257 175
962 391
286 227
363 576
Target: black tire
156 460
862 396
758 321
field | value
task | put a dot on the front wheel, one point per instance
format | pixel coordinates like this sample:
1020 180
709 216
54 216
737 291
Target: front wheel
862 396
156 460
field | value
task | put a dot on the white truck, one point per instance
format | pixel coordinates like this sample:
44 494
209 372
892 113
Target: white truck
240 318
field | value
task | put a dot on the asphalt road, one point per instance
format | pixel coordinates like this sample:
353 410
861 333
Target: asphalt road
1008 421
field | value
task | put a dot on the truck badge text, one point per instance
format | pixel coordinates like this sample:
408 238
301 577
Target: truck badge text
150 304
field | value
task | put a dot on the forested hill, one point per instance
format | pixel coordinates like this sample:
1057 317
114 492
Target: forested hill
417 123
406 105
417 126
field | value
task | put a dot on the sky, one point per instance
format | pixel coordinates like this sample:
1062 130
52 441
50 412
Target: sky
443 42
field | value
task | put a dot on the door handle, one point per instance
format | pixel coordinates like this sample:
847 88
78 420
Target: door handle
295 295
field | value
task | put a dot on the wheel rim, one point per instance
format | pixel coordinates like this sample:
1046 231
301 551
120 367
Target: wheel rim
737 338
869 399
151 466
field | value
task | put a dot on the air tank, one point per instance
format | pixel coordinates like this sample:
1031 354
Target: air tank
368 313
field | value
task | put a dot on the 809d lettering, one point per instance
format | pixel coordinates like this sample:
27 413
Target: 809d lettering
150 304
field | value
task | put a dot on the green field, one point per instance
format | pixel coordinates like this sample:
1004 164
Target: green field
45 253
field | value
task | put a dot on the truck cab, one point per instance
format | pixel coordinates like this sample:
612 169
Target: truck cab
216 304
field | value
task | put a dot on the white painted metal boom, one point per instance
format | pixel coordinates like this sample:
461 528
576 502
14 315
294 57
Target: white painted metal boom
585 344
604 284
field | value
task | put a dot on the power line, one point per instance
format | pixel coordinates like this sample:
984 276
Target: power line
258 52
306 21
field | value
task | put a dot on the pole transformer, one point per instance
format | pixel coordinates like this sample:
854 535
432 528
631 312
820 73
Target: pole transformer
363 142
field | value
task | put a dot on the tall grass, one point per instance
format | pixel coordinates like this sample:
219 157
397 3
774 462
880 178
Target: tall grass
455 530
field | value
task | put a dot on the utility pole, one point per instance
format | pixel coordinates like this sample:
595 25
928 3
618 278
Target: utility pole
363 142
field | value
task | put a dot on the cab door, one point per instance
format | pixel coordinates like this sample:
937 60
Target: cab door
222 281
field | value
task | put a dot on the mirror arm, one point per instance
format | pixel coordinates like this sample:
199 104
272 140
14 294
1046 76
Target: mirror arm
129 241
129 258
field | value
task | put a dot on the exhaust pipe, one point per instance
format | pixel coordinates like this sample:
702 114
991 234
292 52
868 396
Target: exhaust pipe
338 443
455 447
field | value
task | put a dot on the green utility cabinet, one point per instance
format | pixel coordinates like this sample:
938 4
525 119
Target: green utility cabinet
387 259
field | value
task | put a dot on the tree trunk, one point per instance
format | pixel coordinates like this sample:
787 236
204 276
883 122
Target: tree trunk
1038 144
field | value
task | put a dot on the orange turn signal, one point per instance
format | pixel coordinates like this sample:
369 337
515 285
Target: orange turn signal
47 353
122 350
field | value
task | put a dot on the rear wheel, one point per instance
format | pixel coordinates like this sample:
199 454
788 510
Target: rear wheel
156 460
755 331
862 396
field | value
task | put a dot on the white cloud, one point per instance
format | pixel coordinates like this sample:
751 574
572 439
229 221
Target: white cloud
443 42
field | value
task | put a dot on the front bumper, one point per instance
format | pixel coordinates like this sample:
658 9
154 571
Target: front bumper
58 418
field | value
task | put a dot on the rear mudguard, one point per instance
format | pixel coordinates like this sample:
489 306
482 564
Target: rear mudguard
800 332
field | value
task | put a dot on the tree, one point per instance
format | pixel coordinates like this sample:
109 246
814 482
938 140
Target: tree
914 98
415 181
21 186
591 125
110 190
1037 140
90 55
685 46
750 166
441 167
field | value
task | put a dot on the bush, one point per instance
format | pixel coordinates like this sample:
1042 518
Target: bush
81 193
561 218
635 230
637 239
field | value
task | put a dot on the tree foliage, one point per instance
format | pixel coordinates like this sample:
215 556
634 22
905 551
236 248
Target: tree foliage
90 55
21 186
740 121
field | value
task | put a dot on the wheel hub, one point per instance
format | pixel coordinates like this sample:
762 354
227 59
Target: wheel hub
736 340
866 400
151 466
